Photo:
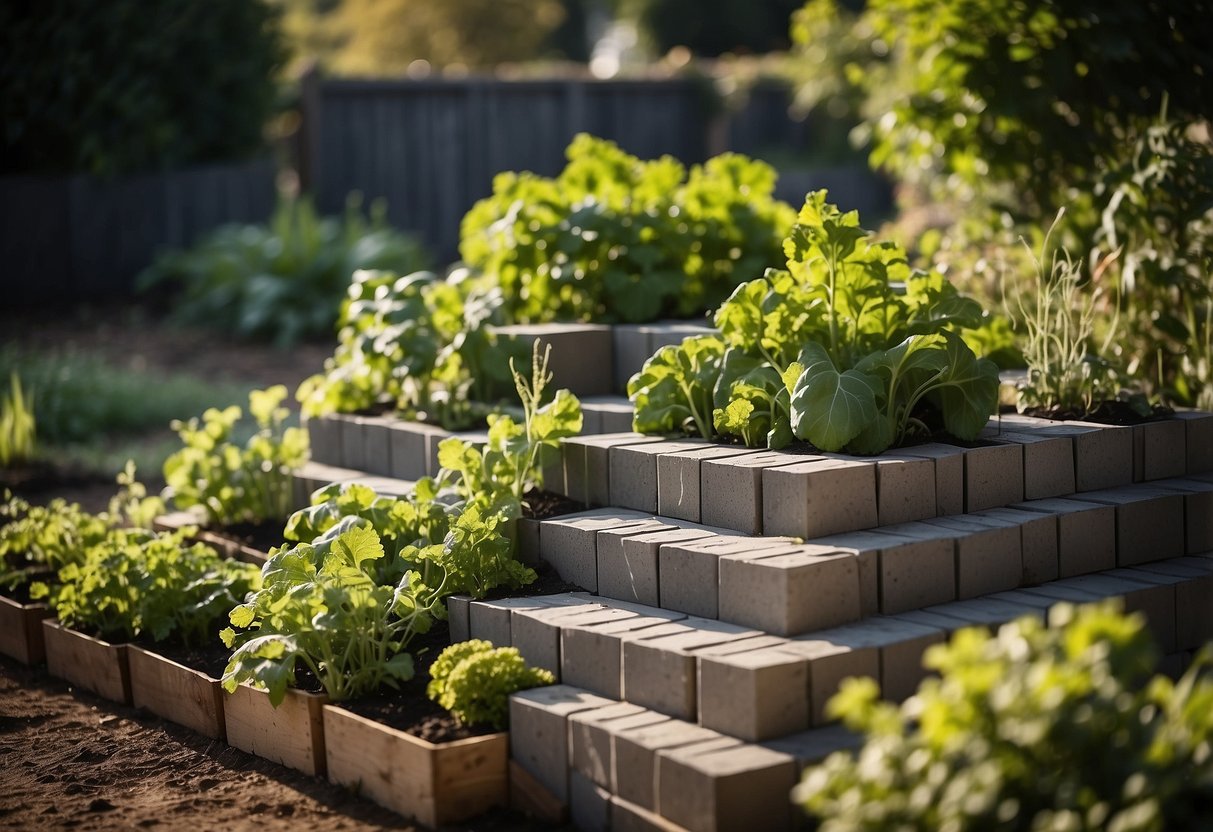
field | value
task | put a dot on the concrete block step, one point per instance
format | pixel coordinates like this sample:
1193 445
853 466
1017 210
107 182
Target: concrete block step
315 475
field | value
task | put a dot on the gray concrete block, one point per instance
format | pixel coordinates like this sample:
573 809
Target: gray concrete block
586 464
634 756
688 573
1103 454
659 670
536 631
589 804
1086 534
324 438
754 695
1160 450
458 617
376 444
731 489
633 472
790 593
591 655
608 414
1038 536
490 620
409 448
1198 511
725 788
679 478
312 477
590 738
908 572
1198 439
1155 601
949 474
581 358
631 346
993 476
988 557
1048 461
674 332
539 732
905 489
1149 523
819 497
628 570
831 658
433 441
811 747
628 817
570 542
987 612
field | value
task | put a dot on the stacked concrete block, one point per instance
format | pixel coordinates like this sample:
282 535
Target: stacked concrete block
409 448
725 787
899 572
606 414
631 346
634 749
1160 450
476 438
1149 522
1103 455
314 476
324 434
819 497
689 572
949 463
570 543
1038 536
585 461
1198 511
731 493
754 694
679 478
628 562
366 444
789 593
591 654
1086 534
832 656
1198 435
988 554
536 631
993 476
1192 579
633 472
581 357
1048 461
490 620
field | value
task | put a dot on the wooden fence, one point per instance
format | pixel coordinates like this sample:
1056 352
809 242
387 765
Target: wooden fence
67 238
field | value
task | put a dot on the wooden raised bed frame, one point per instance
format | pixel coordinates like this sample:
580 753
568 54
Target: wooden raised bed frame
21 630
87 662
291 734
177 693
435 783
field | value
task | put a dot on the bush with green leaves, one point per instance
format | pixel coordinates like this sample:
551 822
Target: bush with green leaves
613 238
126 86
1030 729
281 281
847 348
229 483
135 582
474 681
419 344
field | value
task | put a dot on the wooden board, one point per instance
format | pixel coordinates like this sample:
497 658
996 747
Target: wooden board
177 693
87 662
434 783
21 631
532 798
291 734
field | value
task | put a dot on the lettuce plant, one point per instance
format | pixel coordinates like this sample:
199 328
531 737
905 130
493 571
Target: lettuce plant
847 349
473 680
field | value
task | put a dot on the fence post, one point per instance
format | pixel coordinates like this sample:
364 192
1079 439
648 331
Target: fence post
310 162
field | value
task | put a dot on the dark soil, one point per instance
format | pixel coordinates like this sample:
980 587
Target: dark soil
261 536
543 505
211 659
20 593
1113 412
34 479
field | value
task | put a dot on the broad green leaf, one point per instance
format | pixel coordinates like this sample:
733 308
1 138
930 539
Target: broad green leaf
829 408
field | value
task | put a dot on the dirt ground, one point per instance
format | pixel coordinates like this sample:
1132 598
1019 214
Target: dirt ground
69 760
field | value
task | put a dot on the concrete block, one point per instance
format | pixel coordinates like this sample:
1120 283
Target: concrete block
754 695
570 542
659 670
688 573
477 438
1103 455
633 472
628 563
832 658
634 756
993 476
811 747
819 497
1048 461
589 804
1149 523
539 732
527 548
457 616
1198 511
314 476
611 414
628 817
535 631
631 346
905 486
909 572
1086 534
385 486
409 448
898 645
376 444
988 558
591 655
1038 538
674 332
581 357
790 593
725 789
324 438
590 738
490 620
679 478
988 612
586 464
949 474
1193 597
1153 600
1160 450
1198 440
731 488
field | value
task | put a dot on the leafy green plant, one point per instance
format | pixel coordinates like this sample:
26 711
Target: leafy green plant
281 281
233 484
18 427
135 582
1029 729
613 238
320 608
847 348
473 680
419 344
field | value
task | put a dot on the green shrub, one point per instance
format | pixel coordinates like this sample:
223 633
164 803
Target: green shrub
473 680
281 281
17 426
613 238
234 484
127 85
1031 729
